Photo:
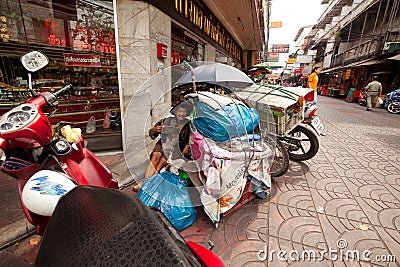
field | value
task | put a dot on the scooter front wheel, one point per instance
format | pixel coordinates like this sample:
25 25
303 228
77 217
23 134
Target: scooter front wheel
303 143
394 107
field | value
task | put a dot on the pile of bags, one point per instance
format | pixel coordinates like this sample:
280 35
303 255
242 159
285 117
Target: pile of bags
227 151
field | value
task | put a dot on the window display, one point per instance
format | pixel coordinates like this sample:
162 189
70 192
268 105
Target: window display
80 48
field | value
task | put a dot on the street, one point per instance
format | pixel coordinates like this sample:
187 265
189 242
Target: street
341 208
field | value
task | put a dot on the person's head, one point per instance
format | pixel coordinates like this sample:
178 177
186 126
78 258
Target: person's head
181 111
316 69
374 78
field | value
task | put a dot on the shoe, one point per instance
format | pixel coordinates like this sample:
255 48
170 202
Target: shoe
368 109
324 133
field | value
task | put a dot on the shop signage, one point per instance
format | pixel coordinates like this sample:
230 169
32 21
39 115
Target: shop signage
161 50
291 60
273 57
198 18
81 60
4 37
202 18
276 24
298 71
280 48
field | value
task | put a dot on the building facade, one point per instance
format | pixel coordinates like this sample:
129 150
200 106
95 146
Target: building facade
108 49
355 40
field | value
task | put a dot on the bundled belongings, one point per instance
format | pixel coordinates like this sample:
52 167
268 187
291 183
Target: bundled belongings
226 168
227 151
222 118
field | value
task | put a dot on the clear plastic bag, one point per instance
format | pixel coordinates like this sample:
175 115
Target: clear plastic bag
91 125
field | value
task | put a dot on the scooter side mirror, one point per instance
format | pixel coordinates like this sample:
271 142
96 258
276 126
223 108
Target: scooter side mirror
34 61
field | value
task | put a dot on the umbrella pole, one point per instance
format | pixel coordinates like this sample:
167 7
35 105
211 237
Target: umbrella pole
193 76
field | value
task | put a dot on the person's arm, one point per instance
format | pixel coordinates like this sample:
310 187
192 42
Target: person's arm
186 138
156 130
185 150
380 90
309 80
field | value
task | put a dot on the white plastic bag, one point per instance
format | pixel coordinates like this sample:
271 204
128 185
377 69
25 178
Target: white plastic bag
380 101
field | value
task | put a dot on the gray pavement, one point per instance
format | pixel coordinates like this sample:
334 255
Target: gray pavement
342 206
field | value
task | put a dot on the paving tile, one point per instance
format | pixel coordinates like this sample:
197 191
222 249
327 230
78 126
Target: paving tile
354 184
381 213
281 252
346 239
294 198
360 173
391 238
300 228
240 253
334 185
382 168
338 206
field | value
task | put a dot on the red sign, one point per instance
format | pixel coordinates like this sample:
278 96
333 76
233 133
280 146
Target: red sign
298 71
82 60
273 57
161 50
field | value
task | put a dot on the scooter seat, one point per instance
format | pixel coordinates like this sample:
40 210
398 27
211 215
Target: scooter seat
93 226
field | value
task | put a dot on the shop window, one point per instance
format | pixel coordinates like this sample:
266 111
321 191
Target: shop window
83 29
184 47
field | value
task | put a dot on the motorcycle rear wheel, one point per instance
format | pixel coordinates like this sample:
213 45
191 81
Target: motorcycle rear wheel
394 107
303 143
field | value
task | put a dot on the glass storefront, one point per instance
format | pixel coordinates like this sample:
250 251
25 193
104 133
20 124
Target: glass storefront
184 47
78 37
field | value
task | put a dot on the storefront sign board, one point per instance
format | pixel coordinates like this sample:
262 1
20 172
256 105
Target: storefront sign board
81 60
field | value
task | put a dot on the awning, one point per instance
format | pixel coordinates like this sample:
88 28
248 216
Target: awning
362 63
397 57
385 72
332 69
370 62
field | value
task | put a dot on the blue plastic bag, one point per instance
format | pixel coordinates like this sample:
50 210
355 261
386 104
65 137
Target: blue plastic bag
223 124
167 192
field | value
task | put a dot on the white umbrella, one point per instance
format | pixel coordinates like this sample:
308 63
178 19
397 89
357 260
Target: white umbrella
217 73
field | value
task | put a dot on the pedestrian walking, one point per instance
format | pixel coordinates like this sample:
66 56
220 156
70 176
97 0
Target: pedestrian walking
373 90
313 81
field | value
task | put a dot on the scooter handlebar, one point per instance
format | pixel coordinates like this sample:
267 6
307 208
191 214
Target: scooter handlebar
63 90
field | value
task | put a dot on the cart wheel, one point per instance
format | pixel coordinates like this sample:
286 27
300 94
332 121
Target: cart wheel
280 164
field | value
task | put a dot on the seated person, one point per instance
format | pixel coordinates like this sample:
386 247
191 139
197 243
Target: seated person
174 141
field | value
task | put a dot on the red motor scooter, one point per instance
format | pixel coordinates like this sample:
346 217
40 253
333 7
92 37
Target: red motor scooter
46 163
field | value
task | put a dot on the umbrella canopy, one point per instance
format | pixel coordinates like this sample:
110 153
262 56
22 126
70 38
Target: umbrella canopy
217 73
